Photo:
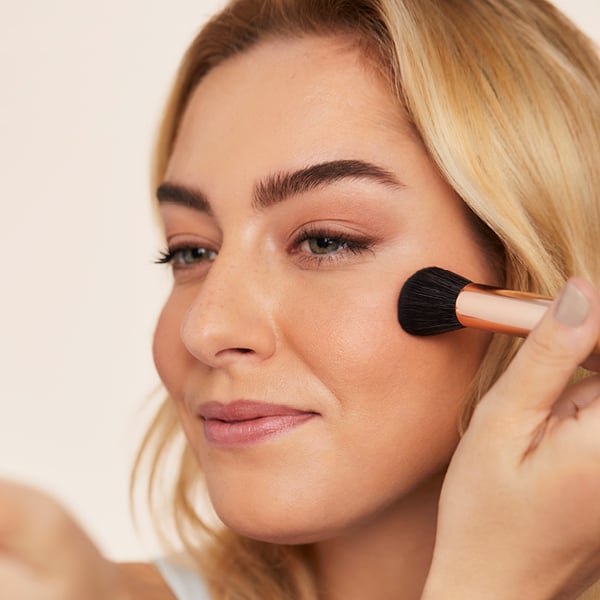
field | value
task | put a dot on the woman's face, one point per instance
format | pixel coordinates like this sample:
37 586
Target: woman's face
295 205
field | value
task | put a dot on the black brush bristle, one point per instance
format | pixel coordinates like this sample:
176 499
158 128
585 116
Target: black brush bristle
427 302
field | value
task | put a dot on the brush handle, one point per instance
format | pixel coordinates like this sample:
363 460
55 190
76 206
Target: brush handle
502 311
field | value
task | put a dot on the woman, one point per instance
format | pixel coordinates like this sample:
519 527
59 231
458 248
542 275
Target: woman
313 156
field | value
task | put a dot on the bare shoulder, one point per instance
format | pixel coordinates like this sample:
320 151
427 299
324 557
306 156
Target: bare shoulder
143 581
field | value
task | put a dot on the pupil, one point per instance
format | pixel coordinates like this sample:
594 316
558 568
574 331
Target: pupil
322 245
193 255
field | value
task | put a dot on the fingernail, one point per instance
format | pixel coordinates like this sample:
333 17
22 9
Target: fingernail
573 307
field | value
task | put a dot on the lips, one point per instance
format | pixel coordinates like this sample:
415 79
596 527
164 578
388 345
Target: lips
246 422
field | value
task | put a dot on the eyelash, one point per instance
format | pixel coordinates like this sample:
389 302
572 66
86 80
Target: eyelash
170 255
347 245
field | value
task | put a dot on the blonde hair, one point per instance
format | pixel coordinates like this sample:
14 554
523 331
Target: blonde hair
505 97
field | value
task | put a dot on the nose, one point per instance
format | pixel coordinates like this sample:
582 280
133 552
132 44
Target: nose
230 319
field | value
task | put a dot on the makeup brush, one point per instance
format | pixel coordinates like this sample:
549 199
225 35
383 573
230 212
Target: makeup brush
435 300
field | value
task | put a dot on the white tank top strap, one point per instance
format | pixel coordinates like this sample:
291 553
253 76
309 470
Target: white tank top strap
183 580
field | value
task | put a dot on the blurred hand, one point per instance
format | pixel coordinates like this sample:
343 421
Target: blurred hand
44 554
520 506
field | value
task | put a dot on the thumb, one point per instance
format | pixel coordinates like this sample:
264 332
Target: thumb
541 370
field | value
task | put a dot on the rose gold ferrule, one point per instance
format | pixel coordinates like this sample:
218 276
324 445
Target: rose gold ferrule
502 311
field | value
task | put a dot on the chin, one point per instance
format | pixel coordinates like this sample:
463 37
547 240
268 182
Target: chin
282 534
286 522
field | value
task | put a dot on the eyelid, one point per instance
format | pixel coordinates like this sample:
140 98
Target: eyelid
182 240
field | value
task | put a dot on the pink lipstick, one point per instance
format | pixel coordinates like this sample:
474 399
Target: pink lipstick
246 422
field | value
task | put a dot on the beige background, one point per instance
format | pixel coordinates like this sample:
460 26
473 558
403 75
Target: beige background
82 87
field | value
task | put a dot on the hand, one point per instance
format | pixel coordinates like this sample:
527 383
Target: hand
520 506
44 555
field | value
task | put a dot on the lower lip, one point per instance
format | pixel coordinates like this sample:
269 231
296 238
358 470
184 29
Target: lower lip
251 431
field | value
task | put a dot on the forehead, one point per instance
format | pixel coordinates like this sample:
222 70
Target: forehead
298 97
304 67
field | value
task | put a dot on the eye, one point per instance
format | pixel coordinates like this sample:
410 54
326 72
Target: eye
316 246
186 256
325 245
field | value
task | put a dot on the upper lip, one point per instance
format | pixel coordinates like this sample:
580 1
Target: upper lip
245 410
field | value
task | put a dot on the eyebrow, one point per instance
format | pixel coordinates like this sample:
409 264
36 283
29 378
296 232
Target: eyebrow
278 187
173 193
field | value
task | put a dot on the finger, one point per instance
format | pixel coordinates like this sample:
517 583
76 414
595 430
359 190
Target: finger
577 397
592 363
562 340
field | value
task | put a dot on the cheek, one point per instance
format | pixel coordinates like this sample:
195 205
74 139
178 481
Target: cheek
350 339
402 390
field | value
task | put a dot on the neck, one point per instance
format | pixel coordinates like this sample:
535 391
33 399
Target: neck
386 558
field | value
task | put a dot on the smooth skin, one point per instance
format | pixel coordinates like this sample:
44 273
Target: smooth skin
257 316
272 313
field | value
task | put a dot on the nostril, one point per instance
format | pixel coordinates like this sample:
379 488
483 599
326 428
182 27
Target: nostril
243 350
